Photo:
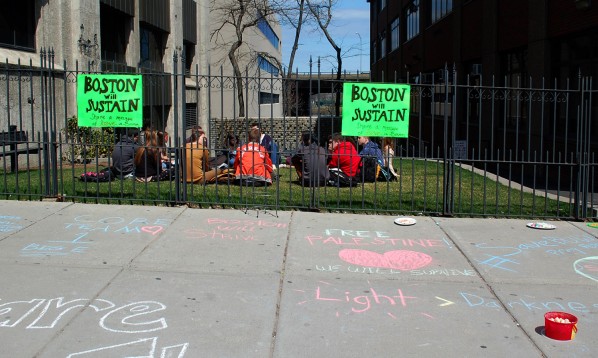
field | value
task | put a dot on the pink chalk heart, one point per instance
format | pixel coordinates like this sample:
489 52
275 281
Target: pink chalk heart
587 267
403 260
152 229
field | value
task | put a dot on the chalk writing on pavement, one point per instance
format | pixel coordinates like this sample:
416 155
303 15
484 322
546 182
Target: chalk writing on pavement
9 223
587 267
84 230
378 252
139 317
232 229
507 258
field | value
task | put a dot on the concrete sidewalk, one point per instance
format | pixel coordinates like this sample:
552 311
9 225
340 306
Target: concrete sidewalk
84 280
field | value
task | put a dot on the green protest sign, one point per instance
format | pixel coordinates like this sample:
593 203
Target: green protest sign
376 110
109 100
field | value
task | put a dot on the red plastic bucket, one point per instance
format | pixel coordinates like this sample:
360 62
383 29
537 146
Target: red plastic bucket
561 331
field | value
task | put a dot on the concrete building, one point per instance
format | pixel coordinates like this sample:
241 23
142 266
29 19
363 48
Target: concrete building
157 38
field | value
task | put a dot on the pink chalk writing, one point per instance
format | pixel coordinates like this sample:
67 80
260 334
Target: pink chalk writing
377 241
362 303
404 260
248 223
216 235
152 229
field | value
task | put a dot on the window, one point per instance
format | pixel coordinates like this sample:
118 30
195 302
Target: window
381 5
515 65
266 29
190 115
412 17
267 66
382 44
17 24
189 53
144 46
440 8
394 34
269 98
151 51
115 30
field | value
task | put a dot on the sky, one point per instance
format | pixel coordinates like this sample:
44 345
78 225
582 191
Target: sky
350 21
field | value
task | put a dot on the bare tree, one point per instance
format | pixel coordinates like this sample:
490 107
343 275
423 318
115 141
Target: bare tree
235 18
295 15
322 10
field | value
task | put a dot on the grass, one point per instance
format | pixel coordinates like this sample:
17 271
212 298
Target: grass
420 190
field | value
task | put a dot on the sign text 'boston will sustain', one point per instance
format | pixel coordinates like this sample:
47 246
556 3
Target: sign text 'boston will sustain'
376 109
109 100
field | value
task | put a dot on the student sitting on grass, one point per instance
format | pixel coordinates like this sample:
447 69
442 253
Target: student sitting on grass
252 162
123 155
148 161
371 159
344 156
197 169
226 157
310 162
389 154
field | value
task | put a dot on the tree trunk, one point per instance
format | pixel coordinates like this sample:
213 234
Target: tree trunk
238 77
337 102
290 89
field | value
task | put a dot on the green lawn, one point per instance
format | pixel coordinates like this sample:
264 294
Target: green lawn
420 189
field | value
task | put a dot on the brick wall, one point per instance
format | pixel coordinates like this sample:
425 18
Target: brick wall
285 131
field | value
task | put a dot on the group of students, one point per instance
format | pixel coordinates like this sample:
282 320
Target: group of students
247 163
252 161
341 163
141 162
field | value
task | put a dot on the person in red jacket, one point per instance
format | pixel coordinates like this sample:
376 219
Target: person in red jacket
344 156
252 162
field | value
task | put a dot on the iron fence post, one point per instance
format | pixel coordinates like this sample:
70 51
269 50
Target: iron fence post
44 74
177 115
447 157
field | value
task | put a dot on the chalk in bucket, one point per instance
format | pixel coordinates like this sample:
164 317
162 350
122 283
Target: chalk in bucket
560 325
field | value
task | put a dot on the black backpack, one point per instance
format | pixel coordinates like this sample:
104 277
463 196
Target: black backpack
369 169
104 175
341 180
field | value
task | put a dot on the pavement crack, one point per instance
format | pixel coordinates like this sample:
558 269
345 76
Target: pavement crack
490 289
280 287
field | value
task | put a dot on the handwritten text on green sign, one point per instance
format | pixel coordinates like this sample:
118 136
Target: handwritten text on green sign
376 109
109 100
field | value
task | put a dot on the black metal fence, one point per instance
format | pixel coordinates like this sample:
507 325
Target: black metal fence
507 147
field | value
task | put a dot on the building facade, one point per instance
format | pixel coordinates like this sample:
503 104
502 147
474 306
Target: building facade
492 76
535 39
157 38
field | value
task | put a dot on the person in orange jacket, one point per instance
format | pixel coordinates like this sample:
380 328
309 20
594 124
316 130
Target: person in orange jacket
252 162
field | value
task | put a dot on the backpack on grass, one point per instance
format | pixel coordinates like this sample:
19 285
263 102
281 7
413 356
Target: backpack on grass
341 180
369 169
104 175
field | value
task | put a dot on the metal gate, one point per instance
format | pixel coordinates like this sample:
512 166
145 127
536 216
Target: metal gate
476 147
